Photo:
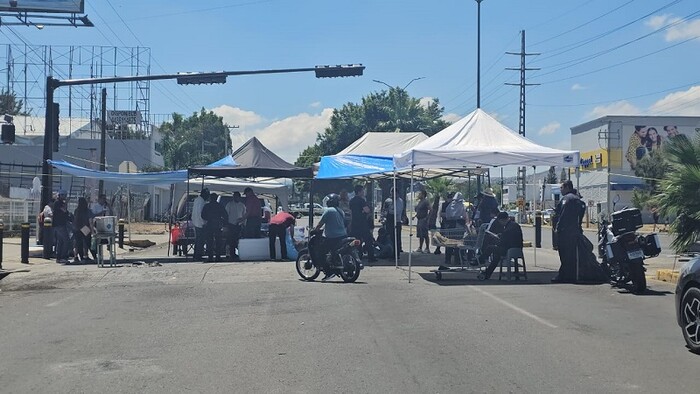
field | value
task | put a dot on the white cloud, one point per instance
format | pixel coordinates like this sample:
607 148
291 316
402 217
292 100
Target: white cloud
549 128
679 31
451 117
289 136
426 101
498 117
679 103
315 104
578 86
616 108
238 117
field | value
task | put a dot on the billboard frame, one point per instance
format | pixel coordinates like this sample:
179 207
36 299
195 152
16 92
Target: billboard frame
16 6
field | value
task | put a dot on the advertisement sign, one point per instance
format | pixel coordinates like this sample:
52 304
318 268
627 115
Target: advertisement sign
642 140
62 6
594 159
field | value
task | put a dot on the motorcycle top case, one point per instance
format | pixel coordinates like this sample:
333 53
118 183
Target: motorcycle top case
626 220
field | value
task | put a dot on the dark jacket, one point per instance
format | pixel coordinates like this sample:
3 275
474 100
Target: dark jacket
511 236
569 212
215 215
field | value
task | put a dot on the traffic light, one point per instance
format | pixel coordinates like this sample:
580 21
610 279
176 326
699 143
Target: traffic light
7 133
346 70
201 78
56 109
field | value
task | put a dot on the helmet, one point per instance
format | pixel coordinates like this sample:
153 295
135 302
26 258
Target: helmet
333 200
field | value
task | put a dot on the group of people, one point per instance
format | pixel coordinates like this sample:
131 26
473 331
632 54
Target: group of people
72 231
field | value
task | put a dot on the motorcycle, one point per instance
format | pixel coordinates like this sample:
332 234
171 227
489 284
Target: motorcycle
344 261
623 250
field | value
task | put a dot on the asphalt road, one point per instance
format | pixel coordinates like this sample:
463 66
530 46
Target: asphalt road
257 328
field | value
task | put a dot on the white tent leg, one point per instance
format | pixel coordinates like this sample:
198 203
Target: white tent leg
534 246
396 239
410 229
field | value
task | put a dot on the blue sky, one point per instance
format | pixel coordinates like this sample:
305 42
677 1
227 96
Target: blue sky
404 39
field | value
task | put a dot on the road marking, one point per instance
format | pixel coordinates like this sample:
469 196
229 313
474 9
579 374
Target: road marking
52 304
515 308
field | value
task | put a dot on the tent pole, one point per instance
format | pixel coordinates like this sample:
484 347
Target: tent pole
534 248
396 239
170 220
410 228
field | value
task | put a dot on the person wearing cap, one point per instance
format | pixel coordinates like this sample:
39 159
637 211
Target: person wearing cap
236 218
61 219
198 222
253 213
488 207
511 236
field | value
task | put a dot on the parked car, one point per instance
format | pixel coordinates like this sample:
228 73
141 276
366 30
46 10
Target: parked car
303 210
688 303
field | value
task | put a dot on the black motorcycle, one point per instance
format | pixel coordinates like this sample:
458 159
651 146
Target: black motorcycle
344 261
623 250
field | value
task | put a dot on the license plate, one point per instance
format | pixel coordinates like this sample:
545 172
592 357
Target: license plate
635 254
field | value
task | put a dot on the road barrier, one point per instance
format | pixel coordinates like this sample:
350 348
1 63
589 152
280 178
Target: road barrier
24 251
47 235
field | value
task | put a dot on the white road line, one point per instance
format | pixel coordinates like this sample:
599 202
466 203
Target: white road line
52 304
515 308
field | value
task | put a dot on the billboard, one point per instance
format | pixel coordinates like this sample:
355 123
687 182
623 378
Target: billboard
642 139
62 6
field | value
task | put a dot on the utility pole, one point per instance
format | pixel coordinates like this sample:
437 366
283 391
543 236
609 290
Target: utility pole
103 140
522 182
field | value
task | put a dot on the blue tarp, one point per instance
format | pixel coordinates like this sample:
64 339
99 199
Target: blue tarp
139 178
350 166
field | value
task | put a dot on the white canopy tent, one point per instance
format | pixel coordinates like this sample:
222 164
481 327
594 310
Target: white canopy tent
230 185
478 140
375 143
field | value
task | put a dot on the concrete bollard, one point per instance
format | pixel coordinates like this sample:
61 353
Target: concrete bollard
121 233
538 229
24 251
2 235
48 239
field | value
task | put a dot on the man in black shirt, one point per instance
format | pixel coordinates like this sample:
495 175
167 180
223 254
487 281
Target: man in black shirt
359 223
216 216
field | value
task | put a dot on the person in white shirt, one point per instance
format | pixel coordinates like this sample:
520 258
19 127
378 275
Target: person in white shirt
101 207
236 218
199 223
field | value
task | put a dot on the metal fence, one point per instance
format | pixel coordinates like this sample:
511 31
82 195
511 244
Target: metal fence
14 212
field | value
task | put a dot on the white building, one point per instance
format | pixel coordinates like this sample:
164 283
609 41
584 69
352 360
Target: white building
610 147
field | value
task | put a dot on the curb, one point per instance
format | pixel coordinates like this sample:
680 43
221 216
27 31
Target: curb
667 275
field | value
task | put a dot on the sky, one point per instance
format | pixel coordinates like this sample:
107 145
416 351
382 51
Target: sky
596 58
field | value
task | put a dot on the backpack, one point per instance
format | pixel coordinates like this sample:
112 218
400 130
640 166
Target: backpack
455 210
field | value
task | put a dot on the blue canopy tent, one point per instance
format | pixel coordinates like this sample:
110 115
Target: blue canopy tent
354 166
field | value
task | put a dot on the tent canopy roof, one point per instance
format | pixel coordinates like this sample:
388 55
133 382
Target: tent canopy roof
376 143
479 140
254 160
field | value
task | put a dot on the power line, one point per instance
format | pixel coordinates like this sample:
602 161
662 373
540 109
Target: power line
201 10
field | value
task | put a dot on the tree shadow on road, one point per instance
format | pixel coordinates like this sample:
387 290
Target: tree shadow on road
468 278
646 293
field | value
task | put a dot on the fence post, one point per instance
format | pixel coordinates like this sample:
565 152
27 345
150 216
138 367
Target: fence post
121 233
24 251
48 238
2 235
538 229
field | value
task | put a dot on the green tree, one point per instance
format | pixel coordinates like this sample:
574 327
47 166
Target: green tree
551 176
9 104
679 194
390 110
438 187
652 168
200 139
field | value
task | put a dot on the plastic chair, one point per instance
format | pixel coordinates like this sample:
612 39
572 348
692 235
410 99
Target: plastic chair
514 257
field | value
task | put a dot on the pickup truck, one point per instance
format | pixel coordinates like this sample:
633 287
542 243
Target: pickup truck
303 210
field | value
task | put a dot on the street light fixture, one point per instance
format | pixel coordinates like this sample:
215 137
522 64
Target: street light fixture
404 88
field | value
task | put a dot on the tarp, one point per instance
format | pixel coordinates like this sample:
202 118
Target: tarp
254 160
353 166
479 140
139 178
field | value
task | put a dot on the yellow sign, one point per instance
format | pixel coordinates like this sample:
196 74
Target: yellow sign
521 202
595 159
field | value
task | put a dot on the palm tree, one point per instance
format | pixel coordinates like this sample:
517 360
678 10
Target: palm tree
438 187
680 191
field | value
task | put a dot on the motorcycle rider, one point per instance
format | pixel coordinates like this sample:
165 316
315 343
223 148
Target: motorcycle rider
334 220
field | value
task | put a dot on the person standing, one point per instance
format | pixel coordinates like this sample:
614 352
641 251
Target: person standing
422 211
61 219
198 222
360 216
488 207
456 216
235 211
345 207
253 213
279 226
444 223
215 216
570 212
82 230
101 207
392 220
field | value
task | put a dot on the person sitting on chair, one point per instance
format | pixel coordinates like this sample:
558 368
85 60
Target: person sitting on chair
510 237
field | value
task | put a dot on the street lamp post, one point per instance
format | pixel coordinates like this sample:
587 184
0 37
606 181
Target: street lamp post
391 87
478 53
191 78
